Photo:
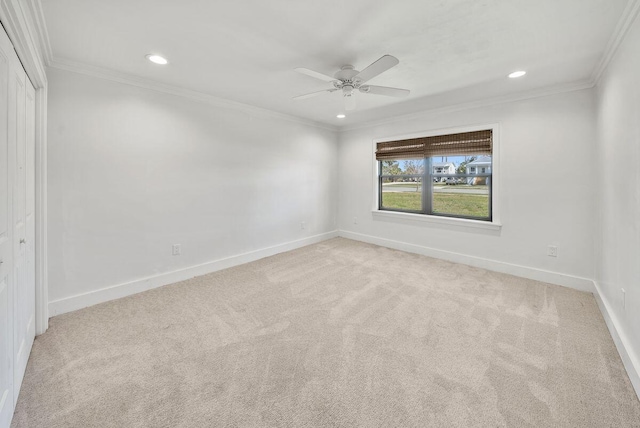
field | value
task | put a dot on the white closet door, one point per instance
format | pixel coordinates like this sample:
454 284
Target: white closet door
23 201
17 206
24 317
17 137
6 244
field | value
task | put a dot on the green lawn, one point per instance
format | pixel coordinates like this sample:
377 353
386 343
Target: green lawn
443 203
402 200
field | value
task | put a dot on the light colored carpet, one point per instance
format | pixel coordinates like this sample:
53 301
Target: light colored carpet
337 334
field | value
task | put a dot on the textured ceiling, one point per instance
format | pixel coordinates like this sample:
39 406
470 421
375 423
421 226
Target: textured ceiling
450 51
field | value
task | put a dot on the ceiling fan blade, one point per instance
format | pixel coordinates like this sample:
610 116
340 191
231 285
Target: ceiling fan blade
384 90
315 74
313 94
349 102
378 67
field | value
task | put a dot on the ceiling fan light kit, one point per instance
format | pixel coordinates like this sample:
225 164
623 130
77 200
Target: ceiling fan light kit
348 79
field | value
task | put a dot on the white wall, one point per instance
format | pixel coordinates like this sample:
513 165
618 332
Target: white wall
548 183
618 154
132 171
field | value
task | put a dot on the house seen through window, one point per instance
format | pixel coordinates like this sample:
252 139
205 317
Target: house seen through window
445 175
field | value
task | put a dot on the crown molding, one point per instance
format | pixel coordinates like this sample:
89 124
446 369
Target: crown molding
487 102
129 79
627 19
21 26
40 28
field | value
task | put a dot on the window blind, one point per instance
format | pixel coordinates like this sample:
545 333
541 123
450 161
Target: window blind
405 149
466 143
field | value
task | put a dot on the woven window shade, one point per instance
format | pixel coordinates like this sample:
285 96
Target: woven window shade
405 149
466 143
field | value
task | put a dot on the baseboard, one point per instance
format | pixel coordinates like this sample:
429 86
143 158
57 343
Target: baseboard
577 283
629 358
69 304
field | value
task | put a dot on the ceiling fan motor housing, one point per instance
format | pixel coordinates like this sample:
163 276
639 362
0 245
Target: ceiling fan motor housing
346 73
346 80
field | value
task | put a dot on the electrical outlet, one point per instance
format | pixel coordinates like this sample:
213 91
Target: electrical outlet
303 225
624 299
176 250
552 251
355 220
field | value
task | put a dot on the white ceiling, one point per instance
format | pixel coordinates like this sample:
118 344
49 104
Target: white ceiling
450 51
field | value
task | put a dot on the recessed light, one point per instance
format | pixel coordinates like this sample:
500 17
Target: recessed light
341 116
517 74
157 59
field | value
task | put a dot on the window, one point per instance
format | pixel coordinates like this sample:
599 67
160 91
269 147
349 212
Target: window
444 175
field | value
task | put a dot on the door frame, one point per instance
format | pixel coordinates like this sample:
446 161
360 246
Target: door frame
24 24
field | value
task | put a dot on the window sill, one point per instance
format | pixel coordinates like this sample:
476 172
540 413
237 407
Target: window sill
448 221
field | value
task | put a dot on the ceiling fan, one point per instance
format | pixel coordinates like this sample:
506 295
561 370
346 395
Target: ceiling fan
347 80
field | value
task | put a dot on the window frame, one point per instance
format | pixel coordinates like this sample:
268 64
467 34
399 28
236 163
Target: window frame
493 222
